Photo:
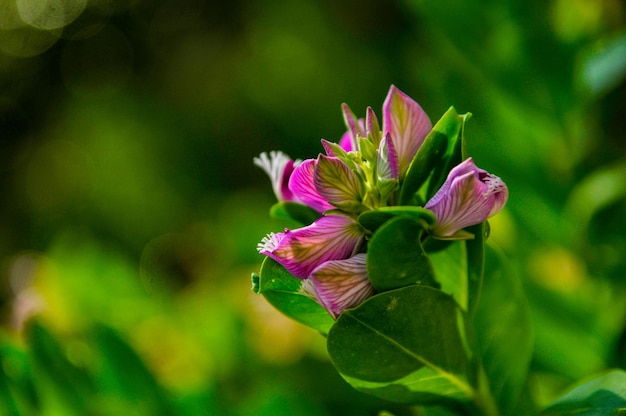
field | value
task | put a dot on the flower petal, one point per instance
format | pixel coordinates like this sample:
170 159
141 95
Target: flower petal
388 167
332 237
302 185
279 168
372 126
407 123
469 196
340 284
354 125
346 142
337 183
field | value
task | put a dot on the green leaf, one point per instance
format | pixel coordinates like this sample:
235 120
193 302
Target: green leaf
405 345
451 272
503 331
294 211
396 258
373 219
602 396
439 152
282 291
456 153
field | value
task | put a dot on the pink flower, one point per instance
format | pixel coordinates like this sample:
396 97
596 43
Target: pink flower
469 196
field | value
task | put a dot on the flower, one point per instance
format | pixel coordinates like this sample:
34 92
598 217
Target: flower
300 251
339 284
469 196
279 168
407 124
365 171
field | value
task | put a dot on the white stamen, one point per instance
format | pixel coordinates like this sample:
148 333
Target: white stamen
269 243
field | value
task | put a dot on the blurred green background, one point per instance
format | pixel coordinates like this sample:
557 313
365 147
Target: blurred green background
131 208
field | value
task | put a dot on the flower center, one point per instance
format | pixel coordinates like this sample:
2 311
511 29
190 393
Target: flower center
494 184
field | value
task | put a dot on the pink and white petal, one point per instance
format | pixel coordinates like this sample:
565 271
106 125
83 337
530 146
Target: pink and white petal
372 127
346 141
463 168
299 251
341 284
469 196
388 167
302 185
407 123
336 182
354 125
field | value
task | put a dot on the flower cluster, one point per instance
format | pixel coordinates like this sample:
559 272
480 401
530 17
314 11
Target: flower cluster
364 172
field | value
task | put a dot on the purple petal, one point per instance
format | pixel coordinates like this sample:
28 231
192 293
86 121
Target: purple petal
346 142
340 284
332 237
336 182
469 196
407 123
279 168
302 185
328 147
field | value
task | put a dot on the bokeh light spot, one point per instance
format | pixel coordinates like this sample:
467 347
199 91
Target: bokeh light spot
27 41
50 14
9 17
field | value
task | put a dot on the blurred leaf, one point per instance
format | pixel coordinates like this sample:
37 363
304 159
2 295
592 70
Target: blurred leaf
440 149
293 211
282 291
605 67
17 391
598 190
396 258
373 219
71 386
375 347
602 396
8 405
583 329
124 375
503 331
